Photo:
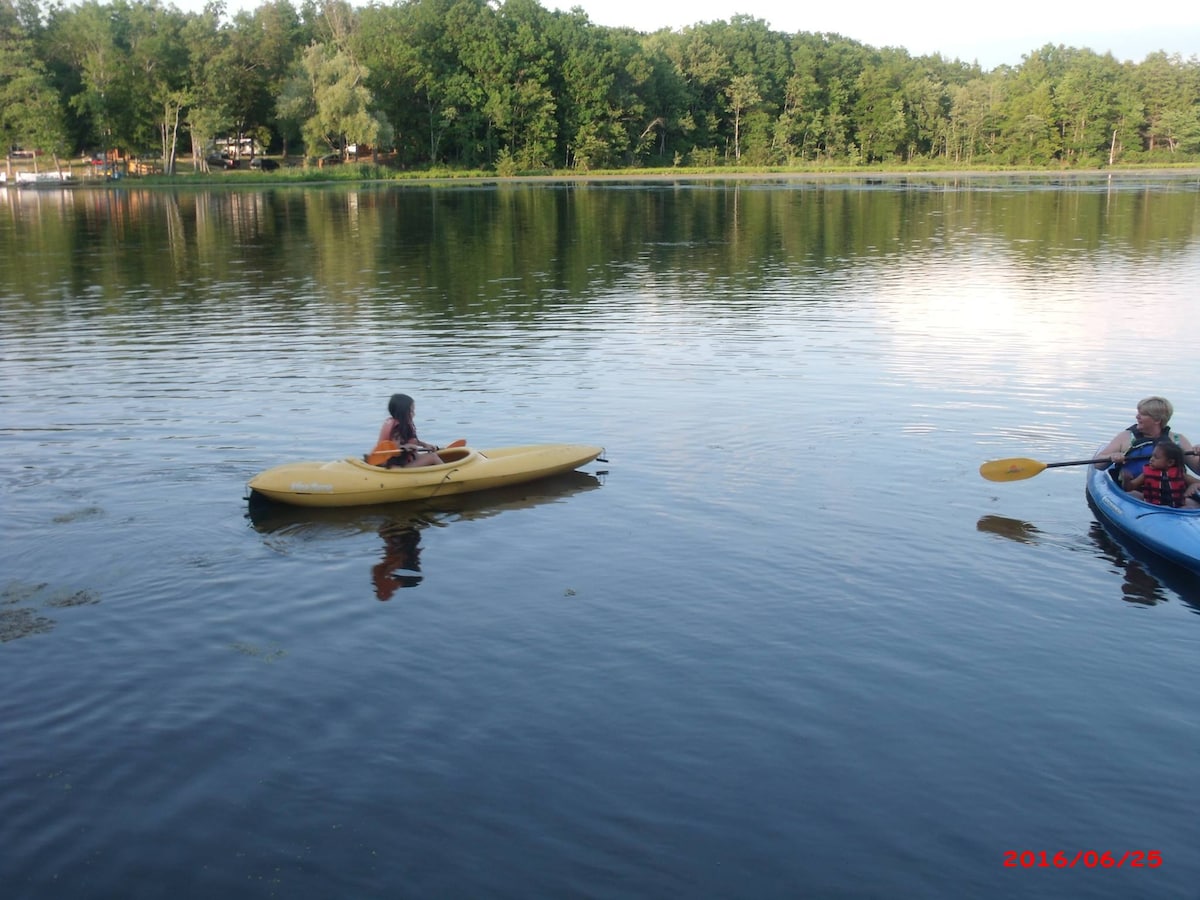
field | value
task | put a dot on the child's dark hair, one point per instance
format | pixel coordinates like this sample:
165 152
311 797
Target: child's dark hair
400 408
1172 451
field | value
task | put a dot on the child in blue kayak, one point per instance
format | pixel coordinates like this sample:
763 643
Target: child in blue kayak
1165 480
1130 449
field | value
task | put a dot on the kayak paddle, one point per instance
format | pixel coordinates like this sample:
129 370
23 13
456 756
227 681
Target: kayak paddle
384 449
1019 468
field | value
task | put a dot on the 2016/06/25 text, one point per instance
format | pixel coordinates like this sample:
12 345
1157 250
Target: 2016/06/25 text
1089 859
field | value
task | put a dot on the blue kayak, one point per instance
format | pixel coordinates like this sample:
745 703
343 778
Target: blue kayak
1172 533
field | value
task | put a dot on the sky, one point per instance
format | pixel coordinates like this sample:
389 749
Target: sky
998 35
992 34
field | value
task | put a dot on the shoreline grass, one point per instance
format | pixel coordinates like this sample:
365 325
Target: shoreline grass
365 172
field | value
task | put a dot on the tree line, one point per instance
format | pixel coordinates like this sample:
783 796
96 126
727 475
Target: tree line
514 87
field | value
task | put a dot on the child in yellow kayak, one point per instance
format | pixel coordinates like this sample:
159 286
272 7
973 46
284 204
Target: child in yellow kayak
398 442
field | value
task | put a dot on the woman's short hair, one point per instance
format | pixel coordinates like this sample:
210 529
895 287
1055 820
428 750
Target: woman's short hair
1157 408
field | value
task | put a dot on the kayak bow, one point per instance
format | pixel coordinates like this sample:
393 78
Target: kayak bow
1171 533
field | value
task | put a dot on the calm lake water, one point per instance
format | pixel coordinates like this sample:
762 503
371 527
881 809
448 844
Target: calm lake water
785 642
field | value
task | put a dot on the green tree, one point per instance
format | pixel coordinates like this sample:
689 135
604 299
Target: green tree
975 116
257 51
743 95
474 82
794 135
835 64
413 53
205 95
329 98
665 126
704 73
529 108
158 67
509 62
1179 129
926 107
87 40
1086 97
31 115
879 114
597 105
1170 91
1032 134
758 58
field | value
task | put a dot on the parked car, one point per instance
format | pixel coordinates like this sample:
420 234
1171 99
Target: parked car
330 159
266 165
221 161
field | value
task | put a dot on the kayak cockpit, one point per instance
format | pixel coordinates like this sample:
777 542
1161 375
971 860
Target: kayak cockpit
449 456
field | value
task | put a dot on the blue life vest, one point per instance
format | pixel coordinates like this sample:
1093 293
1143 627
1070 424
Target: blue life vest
1141 448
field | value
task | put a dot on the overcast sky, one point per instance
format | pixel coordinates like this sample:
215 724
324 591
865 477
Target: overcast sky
954 28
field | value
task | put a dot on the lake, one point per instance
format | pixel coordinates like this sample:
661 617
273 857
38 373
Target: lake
783 641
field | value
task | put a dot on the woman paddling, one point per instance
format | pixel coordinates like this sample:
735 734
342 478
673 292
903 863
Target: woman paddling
1131 448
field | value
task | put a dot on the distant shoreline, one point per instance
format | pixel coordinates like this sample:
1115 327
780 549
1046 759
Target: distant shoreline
298 176
890 174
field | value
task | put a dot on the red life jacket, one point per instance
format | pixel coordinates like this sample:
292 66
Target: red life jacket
1141 448
1163 487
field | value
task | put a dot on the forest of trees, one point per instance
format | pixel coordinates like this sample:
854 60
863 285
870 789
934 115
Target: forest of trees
513 87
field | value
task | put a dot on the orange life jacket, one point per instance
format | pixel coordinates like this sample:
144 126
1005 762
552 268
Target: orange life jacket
383 451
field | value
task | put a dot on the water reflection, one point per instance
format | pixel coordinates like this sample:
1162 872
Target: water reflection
400 525
515 250
1148 579
1014 529
401 565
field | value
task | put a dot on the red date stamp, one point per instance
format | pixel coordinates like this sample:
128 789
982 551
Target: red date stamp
1088 859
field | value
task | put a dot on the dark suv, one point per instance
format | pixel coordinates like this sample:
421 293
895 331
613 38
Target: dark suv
221 161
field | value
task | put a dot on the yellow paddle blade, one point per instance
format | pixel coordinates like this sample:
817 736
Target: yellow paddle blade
1016 469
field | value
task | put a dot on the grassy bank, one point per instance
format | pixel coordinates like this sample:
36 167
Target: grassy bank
358 172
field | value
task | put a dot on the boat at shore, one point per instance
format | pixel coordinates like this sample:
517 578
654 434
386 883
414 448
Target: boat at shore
353 482
40 179
1171 533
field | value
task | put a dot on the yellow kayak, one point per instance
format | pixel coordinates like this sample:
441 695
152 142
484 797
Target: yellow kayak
352 482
